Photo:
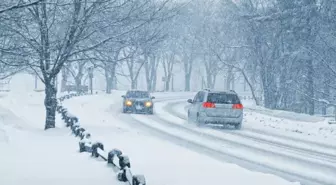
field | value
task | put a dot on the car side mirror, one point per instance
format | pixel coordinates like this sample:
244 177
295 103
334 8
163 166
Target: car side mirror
189 101
153 97
123 96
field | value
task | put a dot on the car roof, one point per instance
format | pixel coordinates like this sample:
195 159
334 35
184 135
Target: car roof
220 92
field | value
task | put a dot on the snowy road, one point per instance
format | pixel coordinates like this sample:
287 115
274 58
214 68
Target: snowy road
305 161
161 161
308 162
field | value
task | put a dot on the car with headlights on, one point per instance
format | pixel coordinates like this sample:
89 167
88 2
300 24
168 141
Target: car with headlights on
137 101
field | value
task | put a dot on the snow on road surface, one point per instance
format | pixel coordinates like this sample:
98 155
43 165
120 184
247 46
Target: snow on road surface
160 161
325 146
37 157
306 159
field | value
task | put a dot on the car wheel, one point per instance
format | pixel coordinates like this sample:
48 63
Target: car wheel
151 111
199 123
124 110
238 126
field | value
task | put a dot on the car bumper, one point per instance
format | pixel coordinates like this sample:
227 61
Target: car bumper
221 120
133 109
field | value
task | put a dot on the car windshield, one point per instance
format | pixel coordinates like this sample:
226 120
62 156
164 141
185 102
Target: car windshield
223 98
137 94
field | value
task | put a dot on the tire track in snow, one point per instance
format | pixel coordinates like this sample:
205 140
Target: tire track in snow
305 179
322 151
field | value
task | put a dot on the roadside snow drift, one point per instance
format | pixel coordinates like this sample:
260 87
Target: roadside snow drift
37 157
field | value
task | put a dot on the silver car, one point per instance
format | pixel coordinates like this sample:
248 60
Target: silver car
216 107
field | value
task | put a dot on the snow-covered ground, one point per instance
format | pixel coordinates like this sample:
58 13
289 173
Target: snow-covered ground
283 123
161 161
52 158
30 155
283 114
34 156
317 126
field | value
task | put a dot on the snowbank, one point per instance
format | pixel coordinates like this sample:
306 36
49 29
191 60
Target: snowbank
31 156
284 114
256 116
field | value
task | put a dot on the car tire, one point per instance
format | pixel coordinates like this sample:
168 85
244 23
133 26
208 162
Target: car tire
124 110
199 123
151 112
238 126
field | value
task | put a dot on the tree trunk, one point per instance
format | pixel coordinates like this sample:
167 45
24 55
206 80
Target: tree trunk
78 82
108 81
148 76
310 90
110 75
64 80
187 81
257 102
113 76
229 79
167 81
154 82
134 80
151 73
134 83
172 83
326 93
209 80
233 82
50 103
188 65
269 87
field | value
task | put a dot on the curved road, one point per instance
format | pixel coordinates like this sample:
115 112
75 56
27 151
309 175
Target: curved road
306 162
325 152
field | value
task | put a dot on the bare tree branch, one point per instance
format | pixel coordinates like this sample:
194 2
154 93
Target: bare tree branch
19 6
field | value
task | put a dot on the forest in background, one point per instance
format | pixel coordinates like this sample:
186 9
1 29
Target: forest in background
284 49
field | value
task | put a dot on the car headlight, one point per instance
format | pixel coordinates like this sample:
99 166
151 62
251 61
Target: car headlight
128 103
148 104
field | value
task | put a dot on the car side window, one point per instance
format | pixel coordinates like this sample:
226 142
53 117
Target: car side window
196 97
200 97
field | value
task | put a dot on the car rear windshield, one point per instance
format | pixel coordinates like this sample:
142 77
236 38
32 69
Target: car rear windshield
223 98
137 94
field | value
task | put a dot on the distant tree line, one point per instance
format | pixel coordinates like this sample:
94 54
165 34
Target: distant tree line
284 49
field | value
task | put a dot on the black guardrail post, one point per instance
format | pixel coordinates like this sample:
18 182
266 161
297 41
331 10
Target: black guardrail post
85 144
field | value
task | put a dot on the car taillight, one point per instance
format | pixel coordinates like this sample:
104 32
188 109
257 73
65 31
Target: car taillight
237 106
209 105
